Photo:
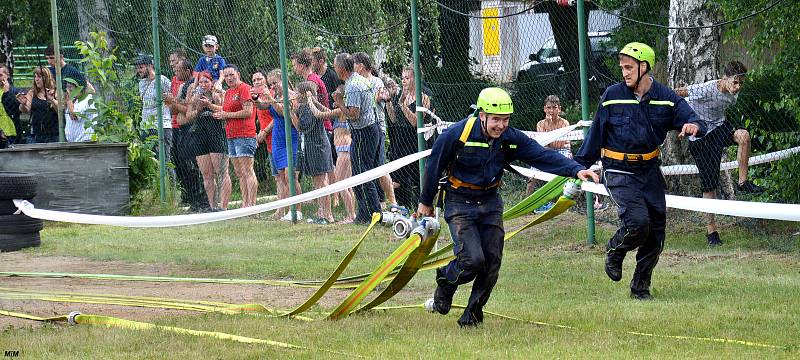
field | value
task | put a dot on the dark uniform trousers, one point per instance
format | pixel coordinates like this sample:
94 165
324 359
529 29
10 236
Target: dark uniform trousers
365 148
186 169
642 210
476 226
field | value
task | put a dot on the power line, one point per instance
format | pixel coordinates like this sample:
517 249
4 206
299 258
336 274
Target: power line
691 27
487 17
325 31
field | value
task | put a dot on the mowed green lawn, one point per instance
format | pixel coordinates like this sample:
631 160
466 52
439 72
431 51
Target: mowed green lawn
749 290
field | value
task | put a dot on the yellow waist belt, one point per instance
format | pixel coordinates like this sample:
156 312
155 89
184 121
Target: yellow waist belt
455 183
611 154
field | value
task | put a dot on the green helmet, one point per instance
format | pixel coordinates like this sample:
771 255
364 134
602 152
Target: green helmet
495 100
640 52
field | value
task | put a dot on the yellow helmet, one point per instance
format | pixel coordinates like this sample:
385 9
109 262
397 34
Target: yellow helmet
495 100
640 52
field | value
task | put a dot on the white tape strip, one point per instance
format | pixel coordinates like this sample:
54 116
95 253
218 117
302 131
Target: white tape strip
180 220
759 210
573 135
755 160
543 138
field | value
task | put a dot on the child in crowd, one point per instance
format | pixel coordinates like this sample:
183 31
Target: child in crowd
317 150
553 121
211 62
79 109
279 161
341 139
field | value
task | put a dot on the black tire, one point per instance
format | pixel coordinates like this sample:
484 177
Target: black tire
7 207
17 185
19 224
16 242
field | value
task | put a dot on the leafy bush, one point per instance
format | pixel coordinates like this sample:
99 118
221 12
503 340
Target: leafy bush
117 104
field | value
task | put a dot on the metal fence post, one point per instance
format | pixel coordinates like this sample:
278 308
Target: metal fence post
162 162
584 73
59 85
417 85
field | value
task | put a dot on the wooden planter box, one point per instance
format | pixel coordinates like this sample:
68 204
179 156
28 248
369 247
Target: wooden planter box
84 178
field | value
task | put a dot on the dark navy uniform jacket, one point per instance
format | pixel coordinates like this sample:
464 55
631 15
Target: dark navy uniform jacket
481 162
627 125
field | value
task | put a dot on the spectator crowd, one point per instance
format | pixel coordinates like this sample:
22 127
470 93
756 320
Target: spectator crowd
346 118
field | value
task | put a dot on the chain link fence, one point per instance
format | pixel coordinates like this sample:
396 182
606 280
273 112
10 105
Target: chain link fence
527 47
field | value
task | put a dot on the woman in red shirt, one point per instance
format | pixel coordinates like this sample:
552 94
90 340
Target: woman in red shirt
240 129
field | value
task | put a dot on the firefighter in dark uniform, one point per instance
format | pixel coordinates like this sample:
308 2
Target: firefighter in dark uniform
631 123
472 159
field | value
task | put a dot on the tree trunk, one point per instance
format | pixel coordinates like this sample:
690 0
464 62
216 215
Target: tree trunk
693 58
564 22
7 43
455 39
84 21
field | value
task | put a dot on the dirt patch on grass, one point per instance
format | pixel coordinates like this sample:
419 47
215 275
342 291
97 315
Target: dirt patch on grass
269 296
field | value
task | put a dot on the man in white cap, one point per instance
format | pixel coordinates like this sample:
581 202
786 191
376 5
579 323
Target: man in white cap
210 62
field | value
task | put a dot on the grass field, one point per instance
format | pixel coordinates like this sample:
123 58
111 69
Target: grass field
749 290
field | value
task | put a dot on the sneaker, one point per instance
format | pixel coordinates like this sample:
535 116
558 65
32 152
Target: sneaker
428 306
543 209
642 295
749 187
614 266
713 239
321 221
288 216
600 206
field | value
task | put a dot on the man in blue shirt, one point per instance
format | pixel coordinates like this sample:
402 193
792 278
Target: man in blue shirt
210 62
67 70
474 158
631 123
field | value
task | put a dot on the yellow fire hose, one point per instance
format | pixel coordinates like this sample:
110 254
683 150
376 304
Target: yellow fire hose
76 318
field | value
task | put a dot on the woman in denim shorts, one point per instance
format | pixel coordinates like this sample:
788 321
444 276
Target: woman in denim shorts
240 130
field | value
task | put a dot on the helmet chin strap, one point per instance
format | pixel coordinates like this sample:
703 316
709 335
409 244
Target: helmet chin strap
639 77
483 127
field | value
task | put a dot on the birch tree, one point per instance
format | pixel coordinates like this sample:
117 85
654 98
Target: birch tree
693 57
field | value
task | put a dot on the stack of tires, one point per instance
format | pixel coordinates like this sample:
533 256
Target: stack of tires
17 231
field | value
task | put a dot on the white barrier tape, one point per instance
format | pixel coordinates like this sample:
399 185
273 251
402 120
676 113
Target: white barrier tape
755 160
759 210
543 138
573 135
181 220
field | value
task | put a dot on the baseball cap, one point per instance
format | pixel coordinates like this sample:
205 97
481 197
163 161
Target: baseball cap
210 40
72 81
143 59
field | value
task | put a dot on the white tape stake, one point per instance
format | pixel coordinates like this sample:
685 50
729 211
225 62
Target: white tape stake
181 220
759 210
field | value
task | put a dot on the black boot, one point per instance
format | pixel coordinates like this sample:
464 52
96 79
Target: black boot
614 265
641 295
471 318
443 296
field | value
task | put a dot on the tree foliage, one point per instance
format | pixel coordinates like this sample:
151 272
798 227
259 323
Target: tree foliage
23 22
774 86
